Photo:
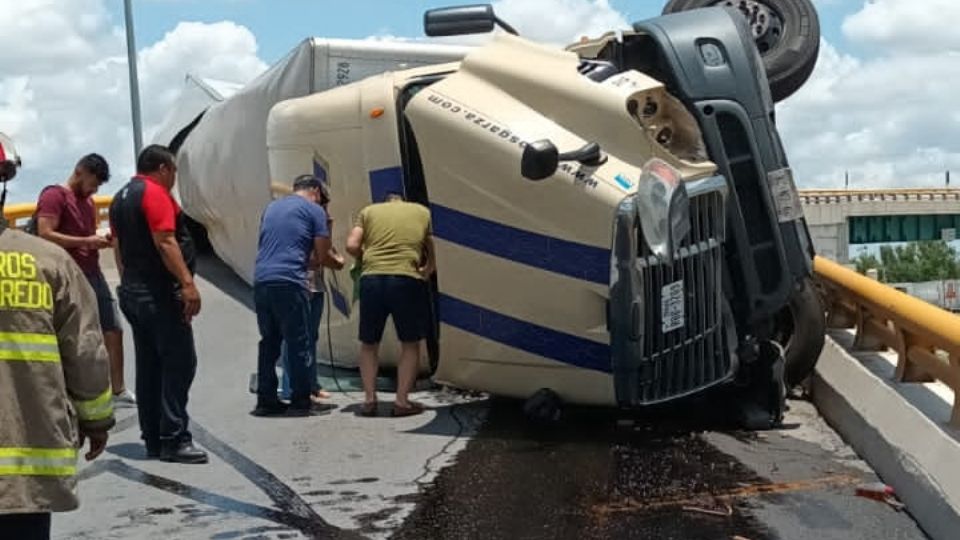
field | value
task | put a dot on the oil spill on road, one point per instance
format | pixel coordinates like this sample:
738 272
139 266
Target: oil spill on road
572 481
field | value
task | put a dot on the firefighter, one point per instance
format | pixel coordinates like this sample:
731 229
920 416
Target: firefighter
54 376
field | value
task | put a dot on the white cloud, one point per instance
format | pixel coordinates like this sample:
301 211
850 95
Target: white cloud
906 26
64 92
560 21
45 35
889 120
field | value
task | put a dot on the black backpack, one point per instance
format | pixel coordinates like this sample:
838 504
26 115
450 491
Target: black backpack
31 226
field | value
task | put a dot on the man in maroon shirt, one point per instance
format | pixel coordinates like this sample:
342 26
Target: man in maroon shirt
66 216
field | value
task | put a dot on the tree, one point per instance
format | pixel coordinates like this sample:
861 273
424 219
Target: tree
867 262
913 263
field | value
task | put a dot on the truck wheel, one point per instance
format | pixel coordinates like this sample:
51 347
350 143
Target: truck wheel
787 34
801 329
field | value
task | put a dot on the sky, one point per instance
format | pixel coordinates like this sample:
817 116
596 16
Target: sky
879 104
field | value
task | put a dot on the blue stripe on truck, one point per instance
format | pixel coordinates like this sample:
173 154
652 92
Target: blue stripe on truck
573 259
523 335
383 181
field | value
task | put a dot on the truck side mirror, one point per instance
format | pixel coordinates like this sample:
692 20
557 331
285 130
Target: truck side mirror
589 154
463 20
540 160
455 21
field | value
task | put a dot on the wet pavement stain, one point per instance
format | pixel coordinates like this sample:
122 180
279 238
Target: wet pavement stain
368 480
235 535
585 479
319 493
373 522
159 511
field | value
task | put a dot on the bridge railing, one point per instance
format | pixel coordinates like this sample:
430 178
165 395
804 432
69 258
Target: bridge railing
18 214
925 337
827 196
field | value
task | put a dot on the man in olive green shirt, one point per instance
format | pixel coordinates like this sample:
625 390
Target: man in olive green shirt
394 242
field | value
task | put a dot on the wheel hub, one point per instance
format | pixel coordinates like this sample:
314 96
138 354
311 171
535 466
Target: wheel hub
765 23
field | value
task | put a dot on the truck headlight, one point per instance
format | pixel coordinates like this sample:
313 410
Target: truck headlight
663 208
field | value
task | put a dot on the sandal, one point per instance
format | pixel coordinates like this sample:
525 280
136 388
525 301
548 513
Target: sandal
369 409
413 409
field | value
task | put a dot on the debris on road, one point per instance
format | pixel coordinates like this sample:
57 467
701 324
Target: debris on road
881 492
727 510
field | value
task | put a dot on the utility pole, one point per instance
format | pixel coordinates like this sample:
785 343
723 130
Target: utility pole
134 81
846 179
948 179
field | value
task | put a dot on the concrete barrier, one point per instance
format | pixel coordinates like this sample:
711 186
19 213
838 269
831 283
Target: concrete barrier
916 455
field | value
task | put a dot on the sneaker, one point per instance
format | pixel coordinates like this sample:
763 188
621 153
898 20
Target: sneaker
125 399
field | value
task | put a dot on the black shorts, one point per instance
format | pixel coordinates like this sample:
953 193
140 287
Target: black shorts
109 320
401 297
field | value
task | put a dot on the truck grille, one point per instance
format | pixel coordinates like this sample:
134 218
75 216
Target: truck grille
693 357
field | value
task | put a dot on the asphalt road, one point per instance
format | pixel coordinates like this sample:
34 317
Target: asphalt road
469 468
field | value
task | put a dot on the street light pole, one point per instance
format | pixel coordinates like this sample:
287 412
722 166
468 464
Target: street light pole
134 80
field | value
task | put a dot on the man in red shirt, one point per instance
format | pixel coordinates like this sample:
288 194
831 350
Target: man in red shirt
159 298
67 216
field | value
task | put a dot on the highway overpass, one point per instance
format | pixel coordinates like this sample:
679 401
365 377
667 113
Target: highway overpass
841 218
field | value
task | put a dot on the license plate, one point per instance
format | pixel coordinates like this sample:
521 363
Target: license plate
671 307
785 195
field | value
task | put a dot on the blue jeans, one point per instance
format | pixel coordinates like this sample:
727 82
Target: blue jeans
313 325
283 315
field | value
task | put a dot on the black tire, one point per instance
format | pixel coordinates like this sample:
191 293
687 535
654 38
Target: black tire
198 233
764 401
544 407
801 329
790 53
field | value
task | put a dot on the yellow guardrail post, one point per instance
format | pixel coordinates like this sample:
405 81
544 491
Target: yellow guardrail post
926 338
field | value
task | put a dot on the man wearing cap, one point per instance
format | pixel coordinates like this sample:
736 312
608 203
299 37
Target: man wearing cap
67 217
316 288
294 237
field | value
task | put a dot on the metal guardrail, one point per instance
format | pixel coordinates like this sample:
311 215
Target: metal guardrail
925 337
18 214
834 196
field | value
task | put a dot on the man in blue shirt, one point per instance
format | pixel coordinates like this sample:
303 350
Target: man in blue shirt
292 229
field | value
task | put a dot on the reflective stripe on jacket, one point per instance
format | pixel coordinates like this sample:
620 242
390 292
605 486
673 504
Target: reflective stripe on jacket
54 374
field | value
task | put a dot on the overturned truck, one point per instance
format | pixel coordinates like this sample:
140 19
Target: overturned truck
616 223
